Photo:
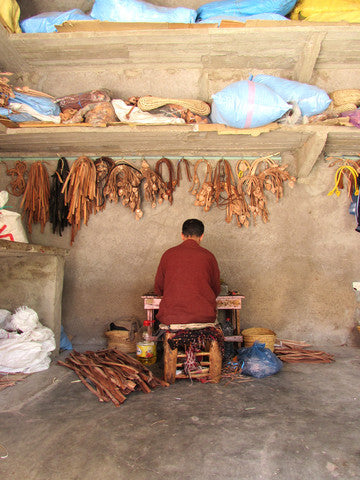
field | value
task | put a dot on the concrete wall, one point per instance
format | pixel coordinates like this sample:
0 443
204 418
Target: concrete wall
296 271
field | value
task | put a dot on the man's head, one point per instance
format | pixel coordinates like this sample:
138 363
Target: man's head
192 228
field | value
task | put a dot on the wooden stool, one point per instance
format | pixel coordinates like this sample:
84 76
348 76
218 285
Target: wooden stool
211 360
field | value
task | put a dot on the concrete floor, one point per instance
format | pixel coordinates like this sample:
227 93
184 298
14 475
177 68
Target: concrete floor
302 423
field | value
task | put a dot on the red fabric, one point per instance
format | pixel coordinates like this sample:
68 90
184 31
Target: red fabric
188 279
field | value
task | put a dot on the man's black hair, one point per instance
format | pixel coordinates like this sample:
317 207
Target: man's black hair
193 228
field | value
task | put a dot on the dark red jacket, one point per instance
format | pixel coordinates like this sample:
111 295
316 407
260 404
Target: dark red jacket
188 279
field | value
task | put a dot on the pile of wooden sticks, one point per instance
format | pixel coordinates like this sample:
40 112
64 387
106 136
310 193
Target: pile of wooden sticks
111 375
292 352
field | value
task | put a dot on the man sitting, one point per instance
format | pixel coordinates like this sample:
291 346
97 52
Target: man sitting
188 279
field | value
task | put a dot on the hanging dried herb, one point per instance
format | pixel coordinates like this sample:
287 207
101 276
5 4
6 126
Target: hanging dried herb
204 192
58 209
35 202
155 188
171 183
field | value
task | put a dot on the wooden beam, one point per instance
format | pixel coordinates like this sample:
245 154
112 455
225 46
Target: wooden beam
308 56
307 155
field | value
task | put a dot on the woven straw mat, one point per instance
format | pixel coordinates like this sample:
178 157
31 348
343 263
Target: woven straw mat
196 106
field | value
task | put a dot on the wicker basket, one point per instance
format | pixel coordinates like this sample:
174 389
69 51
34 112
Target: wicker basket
341 97
337 109
149 102
119 339
262 335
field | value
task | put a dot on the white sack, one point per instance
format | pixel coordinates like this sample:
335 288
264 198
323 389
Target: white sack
11 227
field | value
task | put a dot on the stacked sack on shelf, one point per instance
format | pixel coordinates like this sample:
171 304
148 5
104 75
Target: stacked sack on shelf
243 10
327 11
264 99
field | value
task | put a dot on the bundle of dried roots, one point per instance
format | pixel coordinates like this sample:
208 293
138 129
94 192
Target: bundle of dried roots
80 193
35 202
171 183
103 166
155 189
204 192
124 183
58 209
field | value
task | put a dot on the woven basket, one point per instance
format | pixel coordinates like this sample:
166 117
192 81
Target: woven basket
198 107
337 109
119 339
262 335
341 97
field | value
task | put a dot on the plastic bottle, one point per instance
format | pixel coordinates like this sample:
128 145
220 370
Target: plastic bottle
228 331
145 348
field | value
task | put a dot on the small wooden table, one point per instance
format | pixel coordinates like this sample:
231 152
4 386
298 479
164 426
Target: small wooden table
223 302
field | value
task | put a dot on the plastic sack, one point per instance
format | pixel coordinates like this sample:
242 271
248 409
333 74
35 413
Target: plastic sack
258 361
247 104
29 351
140 11
5 317
45 22
11 227
244 18
129 114
9 15
244 7
306 8
351 17
20 112
310 99
43 105
65 343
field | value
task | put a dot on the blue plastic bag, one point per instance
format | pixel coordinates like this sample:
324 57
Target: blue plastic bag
310 99
16 117
45 22
247 104
244 18
140 11
244 7
43 105
65 343
258 361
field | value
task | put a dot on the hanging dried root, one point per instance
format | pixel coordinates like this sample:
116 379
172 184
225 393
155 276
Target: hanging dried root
124 183
254 183
155 188
171 183
103 166
58 209
80 193
178 170
204 192
227 195
35 202
17 185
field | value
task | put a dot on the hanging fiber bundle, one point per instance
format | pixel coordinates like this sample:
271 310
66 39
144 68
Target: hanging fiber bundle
204 192
35 202
58 209
80 193
171 183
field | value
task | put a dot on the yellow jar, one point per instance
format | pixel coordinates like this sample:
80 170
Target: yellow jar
146 352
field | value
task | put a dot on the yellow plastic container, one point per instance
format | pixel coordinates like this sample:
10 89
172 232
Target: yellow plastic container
146 352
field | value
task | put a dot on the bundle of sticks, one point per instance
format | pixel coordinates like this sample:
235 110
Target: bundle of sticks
297 352
111 375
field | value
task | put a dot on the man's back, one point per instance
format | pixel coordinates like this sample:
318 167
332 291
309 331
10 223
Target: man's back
188 278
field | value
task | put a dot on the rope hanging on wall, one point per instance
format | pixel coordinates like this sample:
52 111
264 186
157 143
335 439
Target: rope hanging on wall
17 185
